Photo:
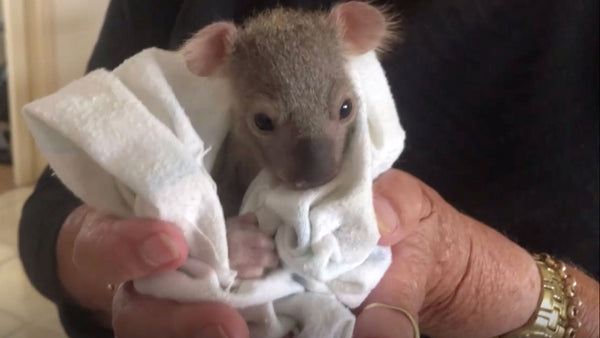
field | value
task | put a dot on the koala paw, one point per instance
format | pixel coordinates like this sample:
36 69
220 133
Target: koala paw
251 251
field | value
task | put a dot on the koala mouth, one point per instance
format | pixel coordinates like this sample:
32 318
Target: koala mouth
305 185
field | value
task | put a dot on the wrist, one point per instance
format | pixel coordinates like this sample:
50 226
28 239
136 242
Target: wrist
587 290
557 314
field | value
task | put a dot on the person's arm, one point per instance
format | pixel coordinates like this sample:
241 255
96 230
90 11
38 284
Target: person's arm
455 275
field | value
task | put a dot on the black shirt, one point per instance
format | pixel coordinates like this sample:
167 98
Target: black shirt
499 100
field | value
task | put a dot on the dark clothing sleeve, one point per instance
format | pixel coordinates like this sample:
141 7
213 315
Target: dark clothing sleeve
500 105
131 26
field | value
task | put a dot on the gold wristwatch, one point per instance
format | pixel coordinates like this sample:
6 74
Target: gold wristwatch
558 309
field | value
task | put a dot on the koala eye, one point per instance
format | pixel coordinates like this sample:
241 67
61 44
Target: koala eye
263 122
345 109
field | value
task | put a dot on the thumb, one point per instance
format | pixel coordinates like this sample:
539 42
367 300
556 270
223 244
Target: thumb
401 287
132 311
386 321
400 202
117 250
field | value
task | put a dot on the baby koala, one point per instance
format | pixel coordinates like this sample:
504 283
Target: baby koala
294 105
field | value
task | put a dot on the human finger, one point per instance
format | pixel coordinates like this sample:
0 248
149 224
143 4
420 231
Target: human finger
400 201
402 287
136 315
117 250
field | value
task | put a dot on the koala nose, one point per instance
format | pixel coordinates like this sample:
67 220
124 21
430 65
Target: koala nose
315 162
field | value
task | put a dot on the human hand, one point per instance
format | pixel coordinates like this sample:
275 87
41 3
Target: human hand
456 276
251 251
95 250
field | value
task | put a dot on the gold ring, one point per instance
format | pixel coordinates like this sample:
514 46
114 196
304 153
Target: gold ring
413 322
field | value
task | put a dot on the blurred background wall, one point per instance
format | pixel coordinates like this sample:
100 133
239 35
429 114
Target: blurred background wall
76 27
46 45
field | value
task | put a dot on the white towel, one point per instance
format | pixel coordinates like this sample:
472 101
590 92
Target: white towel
141 141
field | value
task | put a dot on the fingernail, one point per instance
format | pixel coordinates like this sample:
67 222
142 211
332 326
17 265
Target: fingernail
387 220
212 331
159 250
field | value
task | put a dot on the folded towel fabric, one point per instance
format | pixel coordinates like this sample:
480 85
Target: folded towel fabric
141 141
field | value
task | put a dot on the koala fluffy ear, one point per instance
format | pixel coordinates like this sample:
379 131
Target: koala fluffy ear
206 52
363 27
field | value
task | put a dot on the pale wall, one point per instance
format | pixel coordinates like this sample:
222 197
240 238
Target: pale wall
48 43
76 27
